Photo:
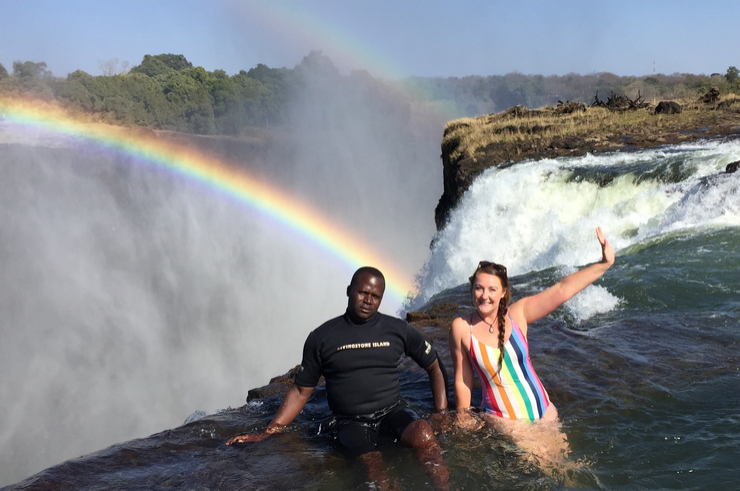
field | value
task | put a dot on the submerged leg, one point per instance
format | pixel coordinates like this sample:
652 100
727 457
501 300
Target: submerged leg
542 443
420 436
377 471
361 440
542 440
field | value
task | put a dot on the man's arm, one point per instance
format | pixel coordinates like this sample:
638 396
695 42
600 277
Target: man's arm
292 404
439 385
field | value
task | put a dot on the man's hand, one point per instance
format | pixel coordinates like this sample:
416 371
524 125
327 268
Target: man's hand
248 437
254 437
292 404
441 422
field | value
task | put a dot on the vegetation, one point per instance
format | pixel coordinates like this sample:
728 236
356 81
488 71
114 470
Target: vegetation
167 92
732 75
468 137
163 92
477 95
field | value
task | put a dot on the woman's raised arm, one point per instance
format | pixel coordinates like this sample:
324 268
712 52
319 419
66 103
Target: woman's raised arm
539 305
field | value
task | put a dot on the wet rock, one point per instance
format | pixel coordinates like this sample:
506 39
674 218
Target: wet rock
434 323
517 111
278 386
732 167
569 107
570 142
711 96
668 107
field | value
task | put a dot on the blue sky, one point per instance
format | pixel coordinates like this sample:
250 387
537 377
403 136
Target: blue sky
389 38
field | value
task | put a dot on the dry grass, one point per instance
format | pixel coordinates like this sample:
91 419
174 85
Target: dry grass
465 137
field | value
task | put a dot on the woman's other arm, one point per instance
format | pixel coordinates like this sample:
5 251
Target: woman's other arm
463 379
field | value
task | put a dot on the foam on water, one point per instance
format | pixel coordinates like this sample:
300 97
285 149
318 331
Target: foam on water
537 215
591 301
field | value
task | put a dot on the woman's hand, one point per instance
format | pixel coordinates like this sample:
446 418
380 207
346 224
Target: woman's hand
465 420
607 253
530 309
441 422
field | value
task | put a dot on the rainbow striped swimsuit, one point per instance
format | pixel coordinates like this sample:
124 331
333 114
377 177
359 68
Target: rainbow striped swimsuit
516 392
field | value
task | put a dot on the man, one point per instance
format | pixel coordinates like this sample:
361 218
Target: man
358 354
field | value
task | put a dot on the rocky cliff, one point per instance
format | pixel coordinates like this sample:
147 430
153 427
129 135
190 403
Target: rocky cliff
472 145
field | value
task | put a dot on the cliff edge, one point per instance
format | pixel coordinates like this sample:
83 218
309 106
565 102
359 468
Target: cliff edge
472 145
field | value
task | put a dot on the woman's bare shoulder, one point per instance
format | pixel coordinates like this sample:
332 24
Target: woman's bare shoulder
516 310
460 325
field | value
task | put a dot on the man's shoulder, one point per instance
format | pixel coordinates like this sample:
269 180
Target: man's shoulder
392 321
380 320
329 326
413 339
399 326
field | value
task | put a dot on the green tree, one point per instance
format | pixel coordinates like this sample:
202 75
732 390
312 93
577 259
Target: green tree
176 62
732 74
153 65
3 71
76 90
275 95
253 95
188 95
29 69
149 106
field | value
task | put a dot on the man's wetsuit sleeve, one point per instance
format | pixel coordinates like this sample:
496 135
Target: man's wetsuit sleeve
418 348
310 370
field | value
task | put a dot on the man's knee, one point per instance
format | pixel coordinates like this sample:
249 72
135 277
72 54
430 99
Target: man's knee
418 434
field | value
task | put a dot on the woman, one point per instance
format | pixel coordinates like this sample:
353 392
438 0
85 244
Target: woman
514 400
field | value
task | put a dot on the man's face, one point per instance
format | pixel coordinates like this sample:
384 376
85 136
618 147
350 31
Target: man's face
365 295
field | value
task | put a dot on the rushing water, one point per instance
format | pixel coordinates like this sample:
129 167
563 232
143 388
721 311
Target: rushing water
644 367
544 213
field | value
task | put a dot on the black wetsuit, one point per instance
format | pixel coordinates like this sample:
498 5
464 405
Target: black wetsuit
360 365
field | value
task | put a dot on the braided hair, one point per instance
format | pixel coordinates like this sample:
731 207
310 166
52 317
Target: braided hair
503 305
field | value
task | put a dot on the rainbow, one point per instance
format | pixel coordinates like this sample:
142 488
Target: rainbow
217 175
297 26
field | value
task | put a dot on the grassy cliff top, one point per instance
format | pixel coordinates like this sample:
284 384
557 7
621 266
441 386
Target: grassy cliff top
466 137
471 145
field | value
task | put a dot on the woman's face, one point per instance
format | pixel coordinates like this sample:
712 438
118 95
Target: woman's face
487 293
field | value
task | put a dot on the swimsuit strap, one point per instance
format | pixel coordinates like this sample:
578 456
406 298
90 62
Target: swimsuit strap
514 325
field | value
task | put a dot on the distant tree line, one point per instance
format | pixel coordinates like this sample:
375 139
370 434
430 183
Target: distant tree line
163 92
476 95
167 92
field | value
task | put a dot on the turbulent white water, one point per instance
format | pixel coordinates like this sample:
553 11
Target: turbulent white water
537 215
